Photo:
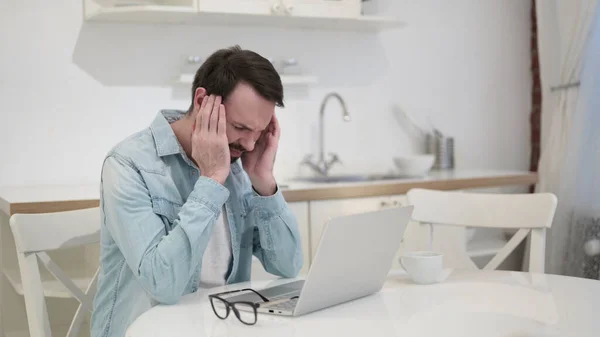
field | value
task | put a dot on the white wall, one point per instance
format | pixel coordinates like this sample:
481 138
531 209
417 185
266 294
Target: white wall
70 90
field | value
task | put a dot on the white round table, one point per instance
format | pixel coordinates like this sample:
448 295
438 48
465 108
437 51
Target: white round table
466 303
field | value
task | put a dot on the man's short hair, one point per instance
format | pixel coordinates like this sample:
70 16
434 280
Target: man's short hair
225 68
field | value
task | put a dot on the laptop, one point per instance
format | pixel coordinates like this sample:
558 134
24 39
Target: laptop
353 259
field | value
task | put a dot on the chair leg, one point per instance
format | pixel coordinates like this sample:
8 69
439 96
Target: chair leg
33 292
537 251
85 305
77 320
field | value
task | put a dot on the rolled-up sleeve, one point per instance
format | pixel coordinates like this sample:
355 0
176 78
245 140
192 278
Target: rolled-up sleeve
161 262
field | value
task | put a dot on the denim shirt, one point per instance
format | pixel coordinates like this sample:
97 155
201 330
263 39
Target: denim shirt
157 216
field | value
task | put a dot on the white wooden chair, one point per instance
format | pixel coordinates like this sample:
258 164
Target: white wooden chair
531 214
35 234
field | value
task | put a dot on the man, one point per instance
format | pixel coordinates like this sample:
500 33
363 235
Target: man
179 209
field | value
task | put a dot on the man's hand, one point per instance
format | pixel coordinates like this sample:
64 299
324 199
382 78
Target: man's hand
210 148
259 162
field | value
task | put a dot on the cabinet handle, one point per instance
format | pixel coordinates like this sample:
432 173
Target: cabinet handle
289 9
276 8
385 204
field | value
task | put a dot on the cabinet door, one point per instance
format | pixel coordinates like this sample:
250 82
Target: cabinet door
240 6
323 8
415 235
300 210
321 211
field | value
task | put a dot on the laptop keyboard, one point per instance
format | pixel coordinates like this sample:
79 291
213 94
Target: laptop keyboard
285 305
282 296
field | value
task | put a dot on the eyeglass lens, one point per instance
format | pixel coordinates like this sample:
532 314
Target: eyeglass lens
245 312
220 308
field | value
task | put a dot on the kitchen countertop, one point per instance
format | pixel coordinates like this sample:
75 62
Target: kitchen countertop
437 180
48 198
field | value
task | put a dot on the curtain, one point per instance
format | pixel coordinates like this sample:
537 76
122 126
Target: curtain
536 96
580 185
570 163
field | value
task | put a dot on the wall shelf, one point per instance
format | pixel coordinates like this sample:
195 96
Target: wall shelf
156 14
287 80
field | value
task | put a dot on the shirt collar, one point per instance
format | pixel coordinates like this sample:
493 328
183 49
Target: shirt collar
164 137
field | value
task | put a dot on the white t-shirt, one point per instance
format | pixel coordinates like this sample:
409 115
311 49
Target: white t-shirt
216 259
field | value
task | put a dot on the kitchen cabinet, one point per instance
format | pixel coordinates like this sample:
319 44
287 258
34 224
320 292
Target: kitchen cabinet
241 6
286 14
304 8
300 210
323 210
322 8
415 235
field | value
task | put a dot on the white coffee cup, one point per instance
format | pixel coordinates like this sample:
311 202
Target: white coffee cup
423 267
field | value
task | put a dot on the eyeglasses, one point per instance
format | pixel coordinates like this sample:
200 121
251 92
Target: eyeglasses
245 311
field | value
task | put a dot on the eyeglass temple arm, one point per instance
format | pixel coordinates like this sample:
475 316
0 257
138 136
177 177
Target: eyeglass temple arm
247 289
257 293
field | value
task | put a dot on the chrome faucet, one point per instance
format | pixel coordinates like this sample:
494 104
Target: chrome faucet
322 166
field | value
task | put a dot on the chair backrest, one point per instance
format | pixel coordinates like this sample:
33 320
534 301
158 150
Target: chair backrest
51 231
35 234
530 213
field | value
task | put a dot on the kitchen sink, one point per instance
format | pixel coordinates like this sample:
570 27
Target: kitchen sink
347 178
334 179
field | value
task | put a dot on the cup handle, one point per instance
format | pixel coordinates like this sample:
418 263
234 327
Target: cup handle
402 264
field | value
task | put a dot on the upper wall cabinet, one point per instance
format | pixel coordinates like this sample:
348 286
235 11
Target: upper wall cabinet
304 8
265 7
322 8
312 14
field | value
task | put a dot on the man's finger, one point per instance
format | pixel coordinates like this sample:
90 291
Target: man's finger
204 100
206 112
214 115
276 128
198 123
221 129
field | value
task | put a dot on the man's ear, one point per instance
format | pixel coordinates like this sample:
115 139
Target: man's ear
198 96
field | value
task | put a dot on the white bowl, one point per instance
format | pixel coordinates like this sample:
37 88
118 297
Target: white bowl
415 165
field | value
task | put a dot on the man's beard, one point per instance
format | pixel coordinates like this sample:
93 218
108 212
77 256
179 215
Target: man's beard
238 148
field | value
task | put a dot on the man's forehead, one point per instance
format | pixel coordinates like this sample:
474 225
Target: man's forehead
252 118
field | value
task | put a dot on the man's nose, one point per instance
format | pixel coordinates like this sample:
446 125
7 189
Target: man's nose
248 144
